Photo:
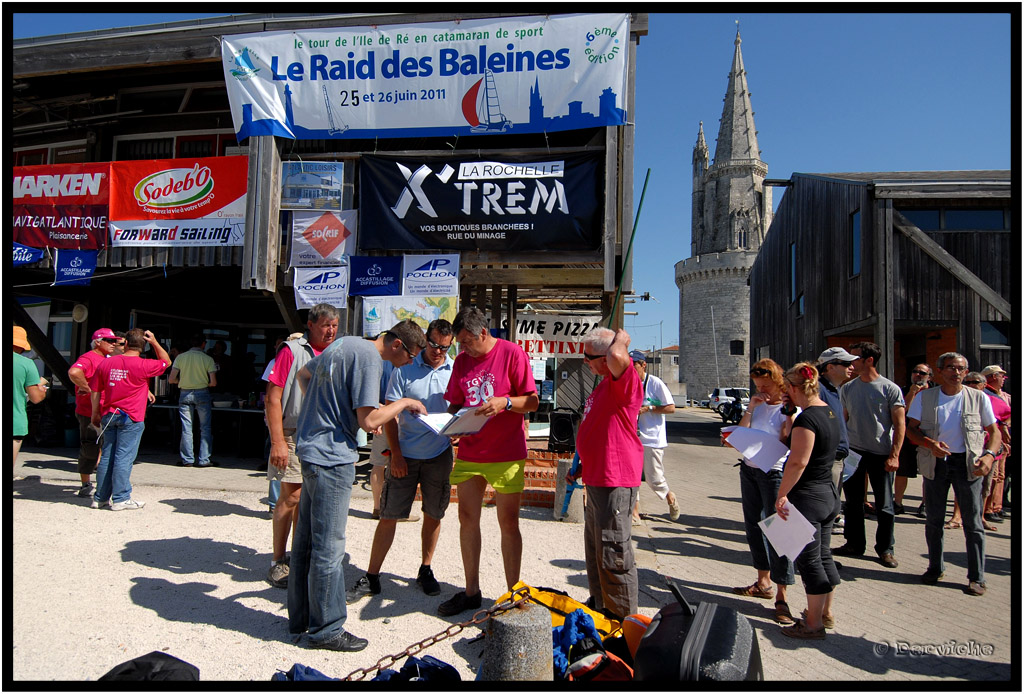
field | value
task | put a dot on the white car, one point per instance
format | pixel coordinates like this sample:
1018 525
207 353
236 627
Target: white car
721 396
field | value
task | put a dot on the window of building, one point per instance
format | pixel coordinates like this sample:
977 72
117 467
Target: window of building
923 219
792 272
133 150
70 154
31 157
675 361
800 305
855 244
196 146
974 219
995 334
736 347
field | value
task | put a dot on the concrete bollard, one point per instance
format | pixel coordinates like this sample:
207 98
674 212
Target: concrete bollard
518 646
574 514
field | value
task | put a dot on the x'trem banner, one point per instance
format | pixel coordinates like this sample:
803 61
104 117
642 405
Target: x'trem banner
178 202
61 205
504 203
542 335
472 77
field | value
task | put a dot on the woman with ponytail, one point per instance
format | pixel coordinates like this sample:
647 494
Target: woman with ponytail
807 485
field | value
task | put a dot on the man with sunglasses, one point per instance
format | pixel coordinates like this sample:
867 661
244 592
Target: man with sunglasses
920 379
419 457
104 343
494 376
874 411
835 365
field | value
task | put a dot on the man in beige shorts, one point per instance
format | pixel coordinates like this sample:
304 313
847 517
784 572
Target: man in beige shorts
283 404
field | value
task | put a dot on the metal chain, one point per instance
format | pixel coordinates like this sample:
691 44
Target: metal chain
516 599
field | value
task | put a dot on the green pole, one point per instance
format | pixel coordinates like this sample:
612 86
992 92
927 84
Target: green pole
629 248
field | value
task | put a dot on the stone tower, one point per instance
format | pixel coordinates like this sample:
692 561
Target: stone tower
732 210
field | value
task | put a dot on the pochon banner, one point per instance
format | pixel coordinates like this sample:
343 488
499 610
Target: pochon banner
467 77
178 202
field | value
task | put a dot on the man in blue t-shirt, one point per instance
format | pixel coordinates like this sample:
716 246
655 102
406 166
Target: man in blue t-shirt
342 394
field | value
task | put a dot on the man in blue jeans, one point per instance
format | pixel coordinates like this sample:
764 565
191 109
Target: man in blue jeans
342 394
195 373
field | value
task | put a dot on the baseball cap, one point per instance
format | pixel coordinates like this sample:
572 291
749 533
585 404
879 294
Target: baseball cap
835 354
992 369
21 338
103 333
637 355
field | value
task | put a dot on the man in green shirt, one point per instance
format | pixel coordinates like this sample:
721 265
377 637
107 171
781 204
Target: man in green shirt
27 383
195 372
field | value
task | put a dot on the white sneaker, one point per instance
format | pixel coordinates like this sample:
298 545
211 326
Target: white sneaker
99 504
127 505
673 510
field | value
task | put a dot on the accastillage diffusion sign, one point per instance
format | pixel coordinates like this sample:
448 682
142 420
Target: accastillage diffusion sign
461 77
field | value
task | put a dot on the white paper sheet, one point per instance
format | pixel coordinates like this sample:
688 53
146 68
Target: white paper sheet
789 536
764 450
464 421
850 463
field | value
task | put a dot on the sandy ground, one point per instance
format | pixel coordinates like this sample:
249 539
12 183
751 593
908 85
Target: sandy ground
185 575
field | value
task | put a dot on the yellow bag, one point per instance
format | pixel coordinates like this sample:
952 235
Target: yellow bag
559 604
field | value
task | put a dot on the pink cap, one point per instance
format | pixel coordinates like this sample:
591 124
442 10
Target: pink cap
102 333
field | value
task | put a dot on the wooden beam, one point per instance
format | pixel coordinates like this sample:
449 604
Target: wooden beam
954 266
262 210
536 277
41 345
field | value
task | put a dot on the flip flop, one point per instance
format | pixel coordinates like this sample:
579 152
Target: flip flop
754 591
951 525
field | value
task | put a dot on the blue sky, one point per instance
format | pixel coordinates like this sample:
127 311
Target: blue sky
831 92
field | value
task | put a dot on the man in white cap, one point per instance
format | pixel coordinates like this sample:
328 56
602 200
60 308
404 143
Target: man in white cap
835 365
994 379
27 383
104 343
658 402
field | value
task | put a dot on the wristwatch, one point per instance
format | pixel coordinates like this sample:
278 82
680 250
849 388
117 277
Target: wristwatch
508 403
994 454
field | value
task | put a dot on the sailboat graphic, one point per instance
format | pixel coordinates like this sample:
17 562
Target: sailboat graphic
244 63
331 128
482 111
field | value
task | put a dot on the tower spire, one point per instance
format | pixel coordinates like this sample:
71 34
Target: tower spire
737 136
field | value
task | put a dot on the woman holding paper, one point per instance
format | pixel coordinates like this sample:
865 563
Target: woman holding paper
807 486
759 488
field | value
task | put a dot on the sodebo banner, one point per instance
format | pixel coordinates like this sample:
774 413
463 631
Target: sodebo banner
431 275
178 202
441 79
321 285
61 205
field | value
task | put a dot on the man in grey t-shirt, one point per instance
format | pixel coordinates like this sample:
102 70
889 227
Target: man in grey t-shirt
342 394
875 421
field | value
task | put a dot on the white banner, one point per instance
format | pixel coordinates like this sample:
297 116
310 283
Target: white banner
168 233
431 275
462 77
322 285
542 335
323 238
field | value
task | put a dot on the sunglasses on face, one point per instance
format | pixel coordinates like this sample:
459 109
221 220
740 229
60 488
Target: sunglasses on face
441 347
759 372
921 373
592 357
973 383
111 340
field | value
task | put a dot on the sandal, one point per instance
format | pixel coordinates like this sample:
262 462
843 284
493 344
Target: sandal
782 614
799 630
989 526
755 591
951 525
827 622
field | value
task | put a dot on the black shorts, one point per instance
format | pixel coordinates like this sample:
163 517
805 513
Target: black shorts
908 460
432 476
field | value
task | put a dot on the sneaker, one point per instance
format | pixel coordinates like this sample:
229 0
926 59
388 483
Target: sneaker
363 587
127 505
87 490
278 575
673 511
897 509
375 515
99 504
208 463
847 551
460 602
931 578
182 463
342 642
920 511
993 518
427 581
887 559
975 588
840 522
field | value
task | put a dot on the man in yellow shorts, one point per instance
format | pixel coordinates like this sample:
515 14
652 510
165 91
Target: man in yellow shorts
494 375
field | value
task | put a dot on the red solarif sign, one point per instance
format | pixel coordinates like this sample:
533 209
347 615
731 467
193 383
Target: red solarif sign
178 202
61 205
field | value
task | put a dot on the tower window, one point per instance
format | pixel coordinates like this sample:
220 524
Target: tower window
736 347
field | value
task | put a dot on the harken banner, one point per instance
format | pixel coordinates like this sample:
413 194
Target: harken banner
61 205
462 77
500 203
178 202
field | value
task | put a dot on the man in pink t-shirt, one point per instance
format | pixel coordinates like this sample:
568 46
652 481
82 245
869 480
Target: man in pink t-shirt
103 345
612 460
120 389
494 375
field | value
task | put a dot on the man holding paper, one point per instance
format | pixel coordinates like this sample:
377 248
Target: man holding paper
419 456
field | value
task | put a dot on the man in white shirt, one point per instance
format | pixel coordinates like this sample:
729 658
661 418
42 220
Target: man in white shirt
946 424
658 402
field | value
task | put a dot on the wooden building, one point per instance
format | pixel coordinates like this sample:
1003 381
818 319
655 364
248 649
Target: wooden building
158 92
918 262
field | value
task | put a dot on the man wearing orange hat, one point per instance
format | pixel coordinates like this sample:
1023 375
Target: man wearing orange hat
104 343
26 383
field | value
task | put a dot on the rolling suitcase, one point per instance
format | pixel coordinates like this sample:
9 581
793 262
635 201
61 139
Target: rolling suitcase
709 643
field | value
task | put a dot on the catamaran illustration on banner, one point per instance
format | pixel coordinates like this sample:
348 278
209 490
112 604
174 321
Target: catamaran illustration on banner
483 111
